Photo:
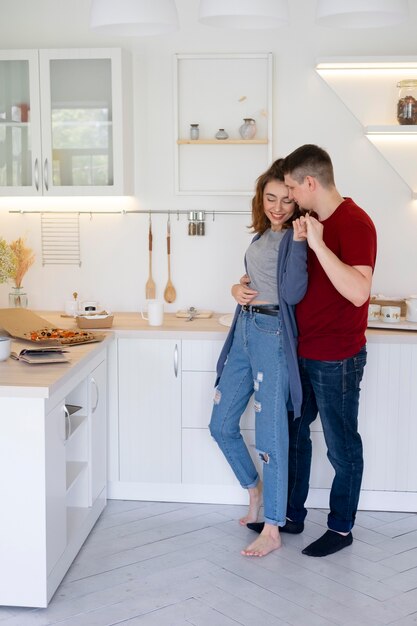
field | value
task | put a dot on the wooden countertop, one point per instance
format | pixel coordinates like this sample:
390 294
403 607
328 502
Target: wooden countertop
15 375
21 379
135 322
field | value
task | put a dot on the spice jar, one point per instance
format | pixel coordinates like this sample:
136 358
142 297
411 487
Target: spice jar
407 102
192 223
201 227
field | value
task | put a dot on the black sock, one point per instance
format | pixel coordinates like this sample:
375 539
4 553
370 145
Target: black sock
328 543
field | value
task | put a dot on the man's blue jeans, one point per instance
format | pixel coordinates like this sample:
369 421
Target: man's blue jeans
330 388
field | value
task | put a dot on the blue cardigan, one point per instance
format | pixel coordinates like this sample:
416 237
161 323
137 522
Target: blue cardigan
292 285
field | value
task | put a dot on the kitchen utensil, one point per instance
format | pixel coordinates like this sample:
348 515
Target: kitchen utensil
169 294
199 314
150 288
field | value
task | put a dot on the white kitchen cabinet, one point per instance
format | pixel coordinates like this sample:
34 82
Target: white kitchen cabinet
52 459
368 87
63 122
220 90
149 410
202 460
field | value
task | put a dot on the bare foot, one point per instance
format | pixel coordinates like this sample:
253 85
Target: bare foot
255 503
268 541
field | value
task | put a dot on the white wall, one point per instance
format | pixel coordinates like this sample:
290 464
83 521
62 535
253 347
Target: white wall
114 248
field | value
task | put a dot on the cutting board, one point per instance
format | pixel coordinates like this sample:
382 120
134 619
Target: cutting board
200 314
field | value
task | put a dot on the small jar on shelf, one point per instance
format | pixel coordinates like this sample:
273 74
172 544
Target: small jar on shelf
194 131
407 102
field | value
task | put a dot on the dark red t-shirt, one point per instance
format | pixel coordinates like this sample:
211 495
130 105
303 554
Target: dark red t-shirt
330 327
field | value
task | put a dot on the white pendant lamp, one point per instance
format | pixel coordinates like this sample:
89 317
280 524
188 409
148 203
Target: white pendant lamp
361 13
244 13
134 18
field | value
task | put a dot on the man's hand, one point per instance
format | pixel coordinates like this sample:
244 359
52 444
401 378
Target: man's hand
242 293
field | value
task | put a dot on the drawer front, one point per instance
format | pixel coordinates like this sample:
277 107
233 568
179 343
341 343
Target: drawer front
200 355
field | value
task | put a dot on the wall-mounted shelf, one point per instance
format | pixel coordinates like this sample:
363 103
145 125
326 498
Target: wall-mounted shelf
220 91
217 142
368 87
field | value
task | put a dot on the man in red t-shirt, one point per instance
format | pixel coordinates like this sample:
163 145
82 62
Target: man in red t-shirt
332 320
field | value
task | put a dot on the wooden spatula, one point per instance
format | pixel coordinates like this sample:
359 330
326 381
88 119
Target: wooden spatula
169 294
150 288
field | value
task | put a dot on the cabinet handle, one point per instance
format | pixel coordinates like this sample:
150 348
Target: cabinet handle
45 174
93 382
68 424
176 360
36 174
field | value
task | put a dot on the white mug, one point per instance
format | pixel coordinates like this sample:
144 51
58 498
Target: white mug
391 314
374 311
90 306
5 348
155 313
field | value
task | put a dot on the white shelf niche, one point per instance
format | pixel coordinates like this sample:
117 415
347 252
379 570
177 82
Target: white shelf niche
219 91
368 88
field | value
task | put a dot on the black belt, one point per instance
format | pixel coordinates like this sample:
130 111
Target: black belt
266 309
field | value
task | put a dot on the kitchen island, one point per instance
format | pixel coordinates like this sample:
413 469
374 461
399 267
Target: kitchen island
53 467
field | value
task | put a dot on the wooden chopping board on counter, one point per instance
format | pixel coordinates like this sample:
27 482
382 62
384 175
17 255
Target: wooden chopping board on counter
199 314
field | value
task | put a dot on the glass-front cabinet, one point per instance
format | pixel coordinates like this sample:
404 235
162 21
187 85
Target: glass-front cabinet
20 144
61 122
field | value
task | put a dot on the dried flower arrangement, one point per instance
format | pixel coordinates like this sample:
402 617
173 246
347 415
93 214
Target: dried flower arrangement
7 261
23 257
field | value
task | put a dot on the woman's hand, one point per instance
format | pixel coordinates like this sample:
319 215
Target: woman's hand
300 229
242 293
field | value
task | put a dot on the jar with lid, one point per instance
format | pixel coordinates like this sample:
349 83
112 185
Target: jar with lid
194 131
407 102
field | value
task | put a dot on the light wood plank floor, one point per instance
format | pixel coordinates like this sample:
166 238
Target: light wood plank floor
160 564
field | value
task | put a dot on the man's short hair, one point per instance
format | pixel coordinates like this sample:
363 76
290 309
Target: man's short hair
310 160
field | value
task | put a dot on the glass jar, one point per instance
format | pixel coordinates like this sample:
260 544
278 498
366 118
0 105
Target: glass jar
194 131
248 128
18 298
407 102
221 134
192 223
201 227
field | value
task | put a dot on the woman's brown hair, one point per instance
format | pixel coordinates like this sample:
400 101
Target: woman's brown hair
260 222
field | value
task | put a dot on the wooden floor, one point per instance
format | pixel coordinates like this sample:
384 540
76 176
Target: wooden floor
160 564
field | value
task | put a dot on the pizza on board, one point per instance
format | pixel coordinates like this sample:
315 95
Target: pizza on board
61 335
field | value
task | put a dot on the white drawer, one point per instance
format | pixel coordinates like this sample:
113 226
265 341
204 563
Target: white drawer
198 355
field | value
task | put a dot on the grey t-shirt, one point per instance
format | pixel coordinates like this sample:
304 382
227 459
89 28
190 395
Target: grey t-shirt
262 263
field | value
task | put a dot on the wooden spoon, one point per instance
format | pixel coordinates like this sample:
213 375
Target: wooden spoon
169 294
150 288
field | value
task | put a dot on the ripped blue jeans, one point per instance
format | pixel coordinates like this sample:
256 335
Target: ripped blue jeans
256 364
